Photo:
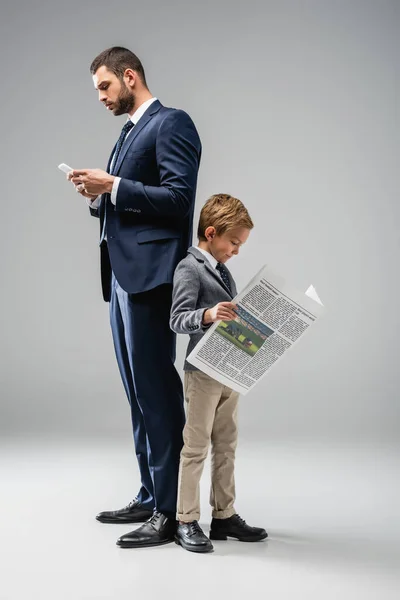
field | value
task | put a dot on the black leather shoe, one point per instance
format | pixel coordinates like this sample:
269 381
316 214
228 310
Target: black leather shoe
158 530
191 537
235 527
133 513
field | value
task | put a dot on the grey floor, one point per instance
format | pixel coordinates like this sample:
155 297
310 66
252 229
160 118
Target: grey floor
332 513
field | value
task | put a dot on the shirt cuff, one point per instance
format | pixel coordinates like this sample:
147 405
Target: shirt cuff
205 325
93 203
114 190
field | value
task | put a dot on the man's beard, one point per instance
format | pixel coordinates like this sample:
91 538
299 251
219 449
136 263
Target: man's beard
125 101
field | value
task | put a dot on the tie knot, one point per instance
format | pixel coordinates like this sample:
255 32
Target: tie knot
127 127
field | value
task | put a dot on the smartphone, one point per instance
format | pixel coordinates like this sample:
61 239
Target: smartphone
65 168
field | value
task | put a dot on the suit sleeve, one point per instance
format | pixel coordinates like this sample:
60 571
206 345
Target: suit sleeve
178 151
94 206
185 317
94 212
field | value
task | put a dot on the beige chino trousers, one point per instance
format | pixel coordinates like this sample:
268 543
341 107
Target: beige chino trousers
211 418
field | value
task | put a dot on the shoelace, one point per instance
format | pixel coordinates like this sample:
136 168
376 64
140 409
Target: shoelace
194 528
154 518
240 520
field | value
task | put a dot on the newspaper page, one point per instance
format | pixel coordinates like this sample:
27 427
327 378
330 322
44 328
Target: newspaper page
271 318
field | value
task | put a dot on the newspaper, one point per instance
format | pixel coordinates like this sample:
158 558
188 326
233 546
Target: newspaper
271 318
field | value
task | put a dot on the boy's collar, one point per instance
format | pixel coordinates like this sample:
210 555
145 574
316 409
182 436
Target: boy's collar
196 253
213 261
201 258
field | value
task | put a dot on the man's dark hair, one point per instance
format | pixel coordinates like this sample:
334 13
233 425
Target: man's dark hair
117 60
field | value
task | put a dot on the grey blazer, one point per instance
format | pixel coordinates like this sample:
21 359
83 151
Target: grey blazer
197 286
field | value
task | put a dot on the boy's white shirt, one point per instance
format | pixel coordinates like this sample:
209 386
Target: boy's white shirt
213 262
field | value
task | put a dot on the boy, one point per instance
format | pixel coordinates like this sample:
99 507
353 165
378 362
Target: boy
203 292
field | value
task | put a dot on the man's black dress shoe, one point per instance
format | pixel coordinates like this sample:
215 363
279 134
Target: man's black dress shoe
133 513
235 527
158 530
191 537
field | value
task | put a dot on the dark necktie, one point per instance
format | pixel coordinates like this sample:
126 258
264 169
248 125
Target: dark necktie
224 275
124 132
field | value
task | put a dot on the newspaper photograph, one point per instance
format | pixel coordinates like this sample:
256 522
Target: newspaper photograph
271 318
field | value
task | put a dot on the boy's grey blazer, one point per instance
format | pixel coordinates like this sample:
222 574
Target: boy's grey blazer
197 286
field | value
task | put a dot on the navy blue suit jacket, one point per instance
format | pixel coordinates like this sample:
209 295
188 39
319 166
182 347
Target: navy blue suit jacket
150 227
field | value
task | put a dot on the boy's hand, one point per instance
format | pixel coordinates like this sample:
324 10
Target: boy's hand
223 311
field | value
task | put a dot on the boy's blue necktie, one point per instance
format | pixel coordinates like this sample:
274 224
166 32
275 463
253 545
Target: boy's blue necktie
224 275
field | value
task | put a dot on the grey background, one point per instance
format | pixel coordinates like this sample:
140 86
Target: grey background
295 106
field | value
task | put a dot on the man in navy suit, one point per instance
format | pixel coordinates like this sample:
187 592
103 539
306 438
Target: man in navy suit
145 202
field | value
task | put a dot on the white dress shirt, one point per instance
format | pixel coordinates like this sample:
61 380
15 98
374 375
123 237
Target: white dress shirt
134 118
213 262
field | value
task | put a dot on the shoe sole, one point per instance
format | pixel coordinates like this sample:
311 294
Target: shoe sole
198 549
140 545
223 537
122 522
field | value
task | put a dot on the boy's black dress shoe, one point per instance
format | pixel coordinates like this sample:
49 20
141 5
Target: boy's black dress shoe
235 527
158 530
133 513
191 537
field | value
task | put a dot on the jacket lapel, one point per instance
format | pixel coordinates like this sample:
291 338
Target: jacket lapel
152 110
201 258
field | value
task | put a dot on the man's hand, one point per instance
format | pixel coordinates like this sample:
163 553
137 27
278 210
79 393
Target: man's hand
81 189
223 311
94 181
